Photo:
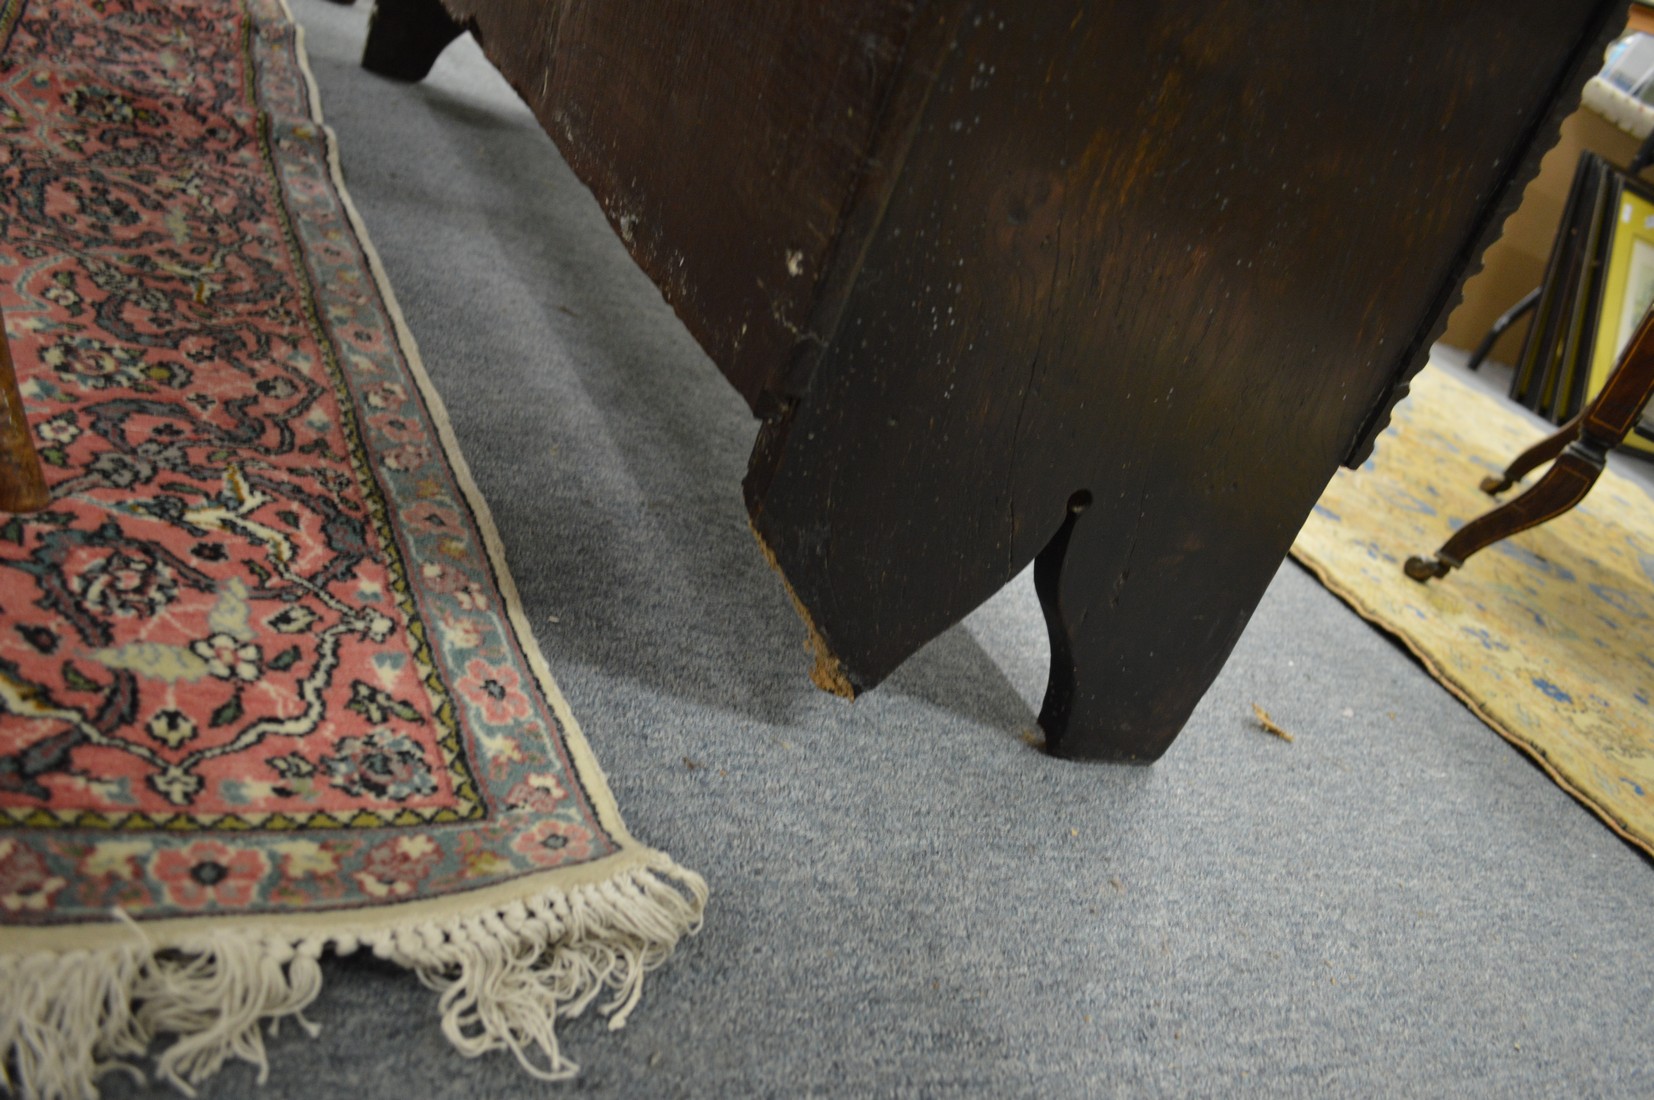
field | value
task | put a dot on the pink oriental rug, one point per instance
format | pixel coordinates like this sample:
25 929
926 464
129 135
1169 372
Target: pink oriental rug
265 688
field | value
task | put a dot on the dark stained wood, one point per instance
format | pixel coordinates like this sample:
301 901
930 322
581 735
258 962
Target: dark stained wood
22 480
1580 449
1564 485
1176 257
1534 457
407 41
724 141
1115 286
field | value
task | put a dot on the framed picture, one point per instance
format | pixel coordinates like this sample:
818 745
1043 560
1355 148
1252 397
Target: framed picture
1551 372
1627 292
1599 281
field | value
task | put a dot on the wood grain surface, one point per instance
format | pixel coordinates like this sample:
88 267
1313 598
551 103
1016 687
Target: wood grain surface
725 142
1174 260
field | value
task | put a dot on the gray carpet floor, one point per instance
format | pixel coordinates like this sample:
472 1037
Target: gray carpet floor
908 900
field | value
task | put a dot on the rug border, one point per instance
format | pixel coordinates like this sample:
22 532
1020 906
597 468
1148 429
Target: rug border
603 801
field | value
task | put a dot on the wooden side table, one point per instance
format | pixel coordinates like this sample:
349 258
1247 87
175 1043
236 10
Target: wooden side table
22 480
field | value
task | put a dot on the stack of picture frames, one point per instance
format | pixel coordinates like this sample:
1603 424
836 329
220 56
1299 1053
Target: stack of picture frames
1599 281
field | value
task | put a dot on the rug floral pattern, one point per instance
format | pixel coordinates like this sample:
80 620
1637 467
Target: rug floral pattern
253 657
1549 635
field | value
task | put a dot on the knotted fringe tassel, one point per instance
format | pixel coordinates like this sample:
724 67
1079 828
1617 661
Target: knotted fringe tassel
505 976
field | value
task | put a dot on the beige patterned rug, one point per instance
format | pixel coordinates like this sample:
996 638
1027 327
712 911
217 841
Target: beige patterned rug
1547 636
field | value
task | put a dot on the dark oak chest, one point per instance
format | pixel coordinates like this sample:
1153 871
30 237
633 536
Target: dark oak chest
1108 287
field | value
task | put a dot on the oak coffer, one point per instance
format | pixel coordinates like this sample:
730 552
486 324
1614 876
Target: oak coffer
1112 288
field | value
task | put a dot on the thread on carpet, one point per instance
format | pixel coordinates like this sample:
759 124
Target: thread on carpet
505 975
1268 724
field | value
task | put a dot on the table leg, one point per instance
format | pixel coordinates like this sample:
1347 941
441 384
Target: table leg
1534 457
1563 486
1603 424
22 481
406 37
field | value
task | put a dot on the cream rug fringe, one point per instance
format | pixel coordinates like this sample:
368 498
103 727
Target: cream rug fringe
505 975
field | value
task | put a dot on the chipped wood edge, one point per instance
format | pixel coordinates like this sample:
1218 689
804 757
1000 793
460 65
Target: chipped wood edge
828 672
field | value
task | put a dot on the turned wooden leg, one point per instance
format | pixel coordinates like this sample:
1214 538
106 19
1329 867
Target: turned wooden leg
1534 457
22 481
1603 424
405 38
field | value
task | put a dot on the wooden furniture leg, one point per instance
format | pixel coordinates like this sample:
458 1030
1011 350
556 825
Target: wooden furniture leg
405 38
1563 486
22 481
1113 649
1534 457
1603 424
